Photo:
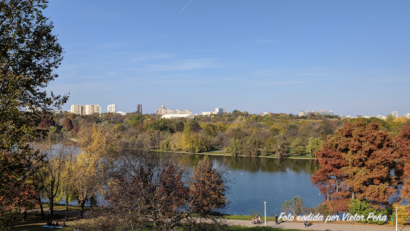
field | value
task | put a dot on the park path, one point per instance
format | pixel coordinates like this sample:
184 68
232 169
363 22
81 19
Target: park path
322 226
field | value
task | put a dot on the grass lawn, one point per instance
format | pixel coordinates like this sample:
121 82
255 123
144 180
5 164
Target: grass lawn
246 217
62 207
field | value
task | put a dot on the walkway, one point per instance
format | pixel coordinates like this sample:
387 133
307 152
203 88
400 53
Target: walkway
323 226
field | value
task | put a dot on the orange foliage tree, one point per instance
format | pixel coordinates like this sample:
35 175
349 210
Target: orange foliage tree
357 162
403 150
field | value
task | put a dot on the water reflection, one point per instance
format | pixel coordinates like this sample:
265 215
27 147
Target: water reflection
256 180
255 164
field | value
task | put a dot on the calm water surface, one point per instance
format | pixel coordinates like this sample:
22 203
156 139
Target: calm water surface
256 180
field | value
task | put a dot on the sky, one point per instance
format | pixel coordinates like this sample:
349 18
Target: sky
348 56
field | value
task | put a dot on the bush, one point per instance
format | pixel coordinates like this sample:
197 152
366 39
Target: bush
364 208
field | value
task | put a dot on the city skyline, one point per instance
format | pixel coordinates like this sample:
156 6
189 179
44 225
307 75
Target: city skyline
350 57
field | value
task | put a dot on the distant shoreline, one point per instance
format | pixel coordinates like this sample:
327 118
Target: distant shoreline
228 154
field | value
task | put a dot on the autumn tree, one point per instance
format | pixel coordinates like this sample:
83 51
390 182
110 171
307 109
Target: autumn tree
356 163
68 124
29 53
49 177
150 190
403 150
207 189
93 165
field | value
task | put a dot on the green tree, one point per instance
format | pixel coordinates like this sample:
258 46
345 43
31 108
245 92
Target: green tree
364 208
29 54
313 146
389 118
136 120
294 206
235 147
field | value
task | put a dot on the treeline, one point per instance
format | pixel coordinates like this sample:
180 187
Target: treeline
237 133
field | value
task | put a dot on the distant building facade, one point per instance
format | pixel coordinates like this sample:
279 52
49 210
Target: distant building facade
77 109
30 109
321 112
112 108
217 111
92 109
171 116
407 116
121 113
395 114
302 113
139 108
163 111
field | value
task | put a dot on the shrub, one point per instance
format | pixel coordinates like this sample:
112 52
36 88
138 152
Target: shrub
364 208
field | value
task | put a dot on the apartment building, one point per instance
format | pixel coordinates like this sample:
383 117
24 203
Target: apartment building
112 108
92 108
77 109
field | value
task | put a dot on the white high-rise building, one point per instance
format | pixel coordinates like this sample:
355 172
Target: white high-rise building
92 108
77 109
111 108
407 116
395 114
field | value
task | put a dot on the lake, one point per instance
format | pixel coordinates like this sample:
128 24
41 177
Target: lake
256 180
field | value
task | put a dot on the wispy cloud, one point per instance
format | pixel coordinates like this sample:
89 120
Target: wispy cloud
141 58
373 16
185 6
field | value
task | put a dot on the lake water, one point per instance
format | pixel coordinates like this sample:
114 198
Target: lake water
256 180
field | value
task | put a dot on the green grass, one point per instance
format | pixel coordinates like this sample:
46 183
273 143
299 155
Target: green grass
303 156
62 207
246 217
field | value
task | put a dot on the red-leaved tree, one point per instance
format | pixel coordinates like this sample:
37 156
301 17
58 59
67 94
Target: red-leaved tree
356 162
403 150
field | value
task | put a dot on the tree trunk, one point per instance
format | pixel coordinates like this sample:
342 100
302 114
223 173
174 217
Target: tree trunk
82 203
25 215
51 207
337 186
41 208
352 195
66 207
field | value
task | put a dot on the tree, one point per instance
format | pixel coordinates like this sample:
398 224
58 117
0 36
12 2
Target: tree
207 189
194 125
295 206
403 150
389 118
68 124
95 162
235 147
297 146
313 146
49 177
29 53
148 191
357 162
402 214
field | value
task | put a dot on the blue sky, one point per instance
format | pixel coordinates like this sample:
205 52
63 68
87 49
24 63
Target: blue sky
281 56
